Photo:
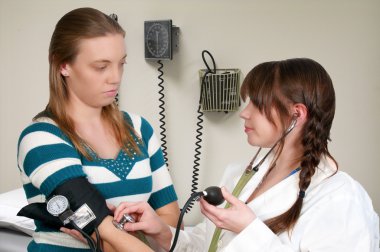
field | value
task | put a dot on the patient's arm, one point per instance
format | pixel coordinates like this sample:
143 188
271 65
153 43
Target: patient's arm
169 213
112 239
118 240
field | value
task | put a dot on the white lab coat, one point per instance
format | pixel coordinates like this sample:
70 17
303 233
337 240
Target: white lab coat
337 215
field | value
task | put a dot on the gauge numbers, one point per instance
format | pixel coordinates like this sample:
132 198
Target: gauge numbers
57 205
158 39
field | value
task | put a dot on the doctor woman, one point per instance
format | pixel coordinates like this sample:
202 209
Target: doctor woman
83 134
297 200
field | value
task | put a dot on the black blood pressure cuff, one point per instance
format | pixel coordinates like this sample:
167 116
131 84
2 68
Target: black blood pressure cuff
38 212
83 195
88 205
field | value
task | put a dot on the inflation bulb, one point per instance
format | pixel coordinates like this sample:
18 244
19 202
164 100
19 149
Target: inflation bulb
213 195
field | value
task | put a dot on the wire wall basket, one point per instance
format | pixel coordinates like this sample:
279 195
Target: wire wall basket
220 90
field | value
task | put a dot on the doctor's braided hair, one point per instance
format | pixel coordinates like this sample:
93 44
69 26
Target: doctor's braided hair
279 84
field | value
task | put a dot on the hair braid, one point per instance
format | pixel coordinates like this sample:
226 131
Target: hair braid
305 81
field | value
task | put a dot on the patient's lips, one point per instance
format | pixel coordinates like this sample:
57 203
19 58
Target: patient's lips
112 92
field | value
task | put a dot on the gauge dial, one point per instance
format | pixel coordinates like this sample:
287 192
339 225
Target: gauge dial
158 39
57 205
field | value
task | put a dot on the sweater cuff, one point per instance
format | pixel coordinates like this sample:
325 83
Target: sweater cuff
163 197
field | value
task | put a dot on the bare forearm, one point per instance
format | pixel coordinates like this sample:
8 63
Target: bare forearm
169 214
117 240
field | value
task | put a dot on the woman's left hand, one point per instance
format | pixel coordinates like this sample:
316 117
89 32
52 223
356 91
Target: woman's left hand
235 218
76 234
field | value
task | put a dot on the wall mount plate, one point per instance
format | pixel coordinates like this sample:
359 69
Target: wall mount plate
158 39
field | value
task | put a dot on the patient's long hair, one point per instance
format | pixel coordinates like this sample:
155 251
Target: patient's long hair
76 25
279 83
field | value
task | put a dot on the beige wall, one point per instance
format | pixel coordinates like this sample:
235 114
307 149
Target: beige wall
344 36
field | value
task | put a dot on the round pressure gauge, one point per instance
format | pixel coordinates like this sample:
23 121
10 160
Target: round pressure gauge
158 39
57 205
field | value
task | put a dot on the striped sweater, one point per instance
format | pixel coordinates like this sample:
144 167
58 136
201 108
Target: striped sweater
47 158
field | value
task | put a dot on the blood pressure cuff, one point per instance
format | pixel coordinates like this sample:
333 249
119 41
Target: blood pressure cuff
84 199
38 212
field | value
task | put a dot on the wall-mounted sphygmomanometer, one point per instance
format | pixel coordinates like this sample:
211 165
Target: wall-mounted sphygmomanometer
160 41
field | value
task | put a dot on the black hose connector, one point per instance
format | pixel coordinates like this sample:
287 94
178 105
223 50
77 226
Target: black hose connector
212 195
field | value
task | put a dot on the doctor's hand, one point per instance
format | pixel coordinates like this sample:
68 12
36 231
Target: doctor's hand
147 221
235 218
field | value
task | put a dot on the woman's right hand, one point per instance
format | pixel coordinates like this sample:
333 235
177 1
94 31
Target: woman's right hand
147 221
146 218
235 218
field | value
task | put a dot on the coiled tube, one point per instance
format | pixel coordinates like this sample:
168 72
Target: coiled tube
162 112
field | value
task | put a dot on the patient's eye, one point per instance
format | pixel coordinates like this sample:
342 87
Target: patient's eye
100 67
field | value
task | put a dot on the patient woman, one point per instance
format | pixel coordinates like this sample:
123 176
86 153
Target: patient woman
297 200
83 134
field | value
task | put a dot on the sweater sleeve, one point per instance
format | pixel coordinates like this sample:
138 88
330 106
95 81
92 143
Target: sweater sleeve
163 191
46 157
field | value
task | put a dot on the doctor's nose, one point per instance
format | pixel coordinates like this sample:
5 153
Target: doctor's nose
245 113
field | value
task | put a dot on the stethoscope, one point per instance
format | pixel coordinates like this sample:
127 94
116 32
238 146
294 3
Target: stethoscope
213 194
255 168
248 174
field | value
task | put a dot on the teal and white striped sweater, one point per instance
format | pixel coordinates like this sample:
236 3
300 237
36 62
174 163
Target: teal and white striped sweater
46 158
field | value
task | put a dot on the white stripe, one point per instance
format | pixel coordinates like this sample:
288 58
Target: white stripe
161 179
131 198
59 239
36 139
136 120
141 169
99 174
41 173
38 198
46 120
153 145
24 179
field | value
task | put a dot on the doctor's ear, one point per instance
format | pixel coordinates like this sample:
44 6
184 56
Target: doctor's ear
64 70
299 112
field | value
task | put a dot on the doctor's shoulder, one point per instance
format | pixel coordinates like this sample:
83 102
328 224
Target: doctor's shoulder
341 201
341 194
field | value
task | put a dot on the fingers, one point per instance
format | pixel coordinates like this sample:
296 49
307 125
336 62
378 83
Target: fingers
136 226
210 211
125 208
132 208
74 233
229 197
111 207
64 230
222 217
